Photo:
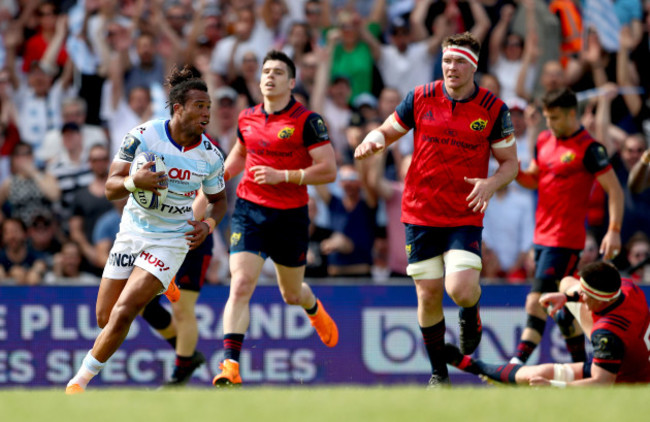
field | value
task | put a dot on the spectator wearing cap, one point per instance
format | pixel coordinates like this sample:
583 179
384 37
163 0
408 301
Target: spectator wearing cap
409 43
73 110
70 168
45 237
366 104
18 261
28 191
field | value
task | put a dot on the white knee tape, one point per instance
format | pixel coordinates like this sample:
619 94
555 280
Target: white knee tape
428 269
562 372
459 260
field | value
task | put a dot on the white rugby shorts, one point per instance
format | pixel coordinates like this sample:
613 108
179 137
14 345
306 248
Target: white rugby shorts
160 257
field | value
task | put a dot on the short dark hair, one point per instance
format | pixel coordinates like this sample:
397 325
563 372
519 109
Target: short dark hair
601 276
182 81
466 39
563 98
279 55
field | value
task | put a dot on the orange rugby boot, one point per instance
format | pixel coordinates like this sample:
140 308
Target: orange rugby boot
229 376
173 293
325 326
74 389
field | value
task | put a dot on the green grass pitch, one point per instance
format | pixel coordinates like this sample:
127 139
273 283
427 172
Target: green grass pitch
339 404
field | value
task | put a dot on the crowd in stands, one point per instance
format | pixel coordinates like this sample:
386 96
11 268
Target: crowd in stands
76 76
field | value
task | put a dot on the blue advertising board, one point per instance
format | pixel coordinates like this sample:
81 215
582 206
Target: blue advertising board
46 331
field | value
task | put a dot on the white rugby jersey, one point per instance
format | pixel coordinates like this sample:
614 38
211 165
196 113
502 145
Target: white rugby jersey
188 168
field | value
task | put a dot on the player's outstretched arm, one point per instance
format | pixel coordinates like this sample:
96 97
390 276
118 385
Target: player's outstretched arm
378 139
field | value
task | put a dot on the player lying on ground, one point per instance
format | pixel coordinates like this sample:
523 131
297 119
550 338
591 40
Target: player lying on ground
613 311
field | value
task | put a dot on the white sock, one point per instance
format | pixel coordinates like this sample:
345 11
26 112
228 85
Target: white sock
89 368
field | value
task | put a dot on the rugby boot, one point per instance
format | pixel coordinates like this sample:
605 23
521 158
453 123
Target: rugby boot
182 374
229 376
436 381
74 389
173 293
471 331
325 326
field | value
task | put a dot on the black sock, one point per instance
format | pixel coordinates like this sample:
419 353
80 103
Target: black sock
502 373
470 314
183 361
434 342
232 346
525 348
312 311
576 347
172 342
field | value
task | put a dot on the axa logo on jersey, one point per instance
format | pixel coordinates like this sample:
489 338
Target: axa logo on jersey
179 174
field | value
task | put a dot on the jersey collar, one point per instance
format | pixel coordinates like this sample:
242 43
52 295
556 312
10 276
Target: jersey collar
179 147
613 306
292 101
466 100
573 135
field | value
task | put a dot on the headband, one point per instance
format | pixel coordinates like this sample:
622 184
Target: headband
598 294
463 52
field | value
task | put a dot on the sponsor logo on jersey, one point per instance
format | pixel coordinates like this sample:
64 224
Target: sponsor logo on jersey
179 174
428 116
234 238
319 128
141 129
478 125
567 157
121 259
286 133
408 249
175 209
154 261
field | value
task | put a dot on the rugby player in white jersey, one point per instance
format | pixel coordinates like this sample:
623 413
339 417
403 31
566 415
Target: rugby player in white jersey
151 244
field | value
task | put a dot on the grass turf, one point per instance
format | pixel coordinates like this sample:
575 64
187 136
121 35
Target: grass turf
342 404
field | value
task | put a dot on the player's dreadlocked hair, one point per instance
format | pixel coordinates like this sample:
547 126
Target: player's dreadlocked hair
182 81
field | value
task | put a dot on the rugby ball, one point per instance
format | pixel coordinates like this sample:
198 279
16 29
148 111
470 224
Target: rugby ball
146 198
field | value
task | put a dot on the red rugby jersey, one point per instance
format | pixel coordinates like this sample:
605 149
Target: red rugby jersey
280 140
629 321
451 141
567 169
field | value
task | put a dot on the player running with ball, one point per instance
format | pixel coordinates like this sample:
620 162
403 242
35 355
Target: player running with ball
152 243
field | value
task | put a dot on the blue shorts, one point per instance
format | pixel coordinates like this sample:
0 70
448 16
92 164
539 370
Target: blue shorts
424 242
282 235
551 266
191 275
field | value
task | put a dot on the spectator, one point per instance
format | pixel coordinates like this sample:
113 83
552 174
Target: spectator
410 43
353 225
223 117
590 252
298 42
47 14
247 81
71 170
104 232
306 75
638 252
18 261
28 191
73 110
44 237
318 18
88 205
67 268
9 135
639 178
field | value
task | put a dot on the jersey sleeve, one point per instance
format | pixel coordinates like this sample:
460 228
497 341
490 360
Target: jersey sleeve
314 132
609 350
214 182
405 111
502 127
596 160
132 145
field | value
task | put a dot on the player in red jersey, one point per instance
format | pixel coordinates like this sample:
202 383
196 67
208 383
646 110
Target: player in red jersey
282 147
567 160
616 315
456 126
